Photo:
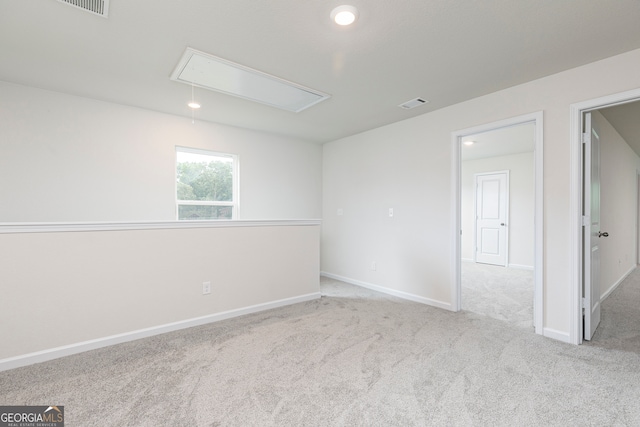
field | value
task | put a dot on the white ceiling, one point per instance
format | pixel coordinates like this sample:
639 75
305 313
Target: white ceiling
443 51
500 142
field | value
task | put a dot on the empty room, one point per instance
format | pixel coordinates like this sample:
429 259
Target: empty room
266 212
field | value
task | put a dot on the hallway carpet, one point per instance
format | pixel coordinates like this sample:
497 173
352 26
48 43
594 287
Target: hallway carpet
619 327
498 292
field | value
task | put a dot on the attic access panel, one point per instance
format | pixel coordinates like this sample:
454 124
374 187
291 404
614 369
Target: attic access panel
217 74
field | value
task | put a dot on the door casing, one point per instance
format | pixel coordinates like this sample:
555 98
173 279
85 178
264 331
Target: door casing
538 268
576 327
637 217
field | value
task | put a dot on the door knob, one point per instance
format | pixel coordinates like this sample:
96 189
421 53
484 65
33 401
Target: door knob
601 234
502 224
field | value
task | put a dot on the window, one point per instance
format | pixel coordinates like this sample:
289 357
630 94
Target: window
206 185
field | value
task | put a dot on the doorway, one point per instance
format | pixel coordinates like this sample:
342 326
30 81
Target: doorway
616 233
466 233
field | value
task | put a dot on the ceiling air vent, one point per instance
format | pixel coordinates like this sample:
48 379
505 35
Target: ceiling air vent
98 7
413 103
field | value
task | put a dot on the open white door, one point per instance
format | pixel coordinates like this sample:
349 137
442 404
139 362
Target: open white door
592 234
492 193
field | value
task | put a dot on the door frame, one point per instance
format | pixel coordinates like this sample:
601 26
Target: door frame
637 217
538 268
576 123
475 210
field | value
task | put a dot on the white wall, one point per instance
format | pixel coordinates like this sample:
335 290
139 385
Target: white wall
67 158
408 166
619 166
521 205
63 291
70 159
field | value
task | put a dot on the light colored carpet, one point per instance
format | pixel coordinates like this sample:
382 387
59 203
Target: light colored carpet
352 358
498 292
620 317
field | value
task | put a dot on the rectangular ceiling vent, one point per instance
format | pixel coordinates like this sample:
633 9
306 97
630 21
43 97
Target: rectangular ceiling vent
98 7
210 72
413 103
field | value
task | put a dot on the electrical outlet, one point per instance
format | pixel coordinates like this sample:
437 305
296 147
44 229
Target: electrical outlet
340 212
390 212
374 266
206 288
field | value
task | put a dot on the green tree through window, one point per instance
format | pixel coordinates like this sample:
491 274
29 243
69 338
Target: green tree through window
205 185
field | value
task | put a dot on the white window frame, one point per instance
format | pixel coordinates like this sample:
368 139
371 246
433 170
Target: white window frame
234 203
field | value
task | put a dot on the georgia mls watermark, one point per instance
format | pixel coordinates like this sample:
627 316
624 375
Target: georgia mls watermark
31 416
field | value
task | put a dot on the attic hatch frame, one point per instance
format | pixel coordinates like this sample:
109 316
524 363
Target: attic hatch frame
96 7
206 71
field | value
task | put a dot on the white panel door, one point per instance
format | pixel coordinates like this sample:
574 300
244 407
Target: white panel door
592 232
492 194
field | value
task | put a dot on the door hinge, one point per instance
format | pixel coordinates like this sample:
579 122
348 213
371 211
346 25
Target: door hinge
585 220
586 137
583 302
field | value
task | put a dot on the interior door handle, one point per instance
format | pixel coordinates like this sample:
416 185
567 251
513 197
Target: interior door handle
601 234
502 224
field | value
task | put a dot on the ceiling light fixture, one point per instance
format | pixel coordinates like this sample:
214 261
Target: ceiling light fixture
469 143
193 105
344 15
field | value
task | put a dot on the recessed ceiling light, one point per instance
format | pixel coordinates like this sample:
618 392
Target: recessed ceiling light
344 15
194 105
469 143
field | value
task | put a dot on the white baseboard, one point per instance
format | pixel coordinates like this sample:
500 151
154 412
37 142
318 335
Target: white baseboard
67 350
388 291
521 267
613 287
556 335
